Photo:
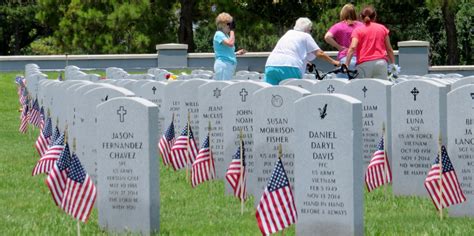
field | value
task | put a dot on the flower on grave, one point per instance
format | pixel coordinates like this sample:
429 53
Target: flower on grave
170 76
393 71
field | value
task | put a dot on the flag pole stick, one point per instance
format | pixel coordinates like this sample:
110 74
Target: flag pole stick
211 170
241 174
187 150
280 155
385 161
171 156
280 151
77 221
210 152
66 136
78 228
28 124
440 183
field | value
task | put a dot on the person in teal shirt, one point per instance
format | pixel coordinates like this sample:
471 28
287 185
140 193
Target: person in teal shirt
224 48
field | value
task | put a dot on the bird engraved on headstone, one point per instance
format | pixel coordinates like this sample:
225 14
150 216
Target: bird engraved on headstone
414 92
122 112
277 100
105 99
243 95
322 112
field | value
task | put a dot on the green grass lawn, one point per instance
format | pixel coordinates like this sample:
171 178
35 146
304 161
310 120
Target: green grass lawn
26 207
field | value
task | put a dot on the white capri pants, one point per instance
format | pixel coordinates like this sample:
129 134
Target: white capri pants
223 70
373 69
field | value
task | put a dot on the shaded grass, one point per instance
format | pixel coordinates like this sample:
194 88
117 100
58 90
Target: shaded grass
27 208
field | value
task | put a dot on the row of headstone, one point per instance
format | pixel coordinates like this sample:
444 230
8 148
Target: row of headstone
33 76
326 133
115 136
268 118
248 75
115 73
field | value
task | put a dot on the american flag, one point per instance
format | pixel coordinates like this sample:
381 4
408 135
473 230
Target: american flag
23 96
44 138
276 209
20 84
166 142
57 177
180 156
203 166
42 118
35 115
47 161
55 136
236 171
19 81
377 174
451 192
24 119
80 192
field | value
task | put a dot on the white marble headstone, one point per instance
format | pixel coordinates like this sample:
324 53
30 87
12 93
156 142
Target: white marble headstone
238 114
461 144
128 170
211 110
375 97
329 189
272 107
329 86
418 117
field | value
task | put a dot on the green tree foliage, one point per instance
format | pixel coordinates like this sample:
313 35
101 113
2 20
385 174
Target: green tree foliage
107 26
115 26
18 26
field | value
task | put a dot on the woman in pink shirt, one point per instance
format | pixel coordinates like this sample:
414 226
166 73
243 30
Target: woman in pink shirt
339 35
372 45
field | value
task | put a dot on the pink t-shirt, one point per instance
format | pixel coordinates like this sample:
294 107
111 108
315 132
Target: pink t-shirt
371 44
342 35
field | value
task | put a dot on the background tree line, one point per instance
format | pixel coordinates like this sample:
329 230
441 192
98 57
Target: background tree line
113 26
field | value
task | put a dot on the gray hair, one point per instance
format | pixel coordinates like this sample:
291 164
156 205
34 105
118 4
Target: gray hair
303 24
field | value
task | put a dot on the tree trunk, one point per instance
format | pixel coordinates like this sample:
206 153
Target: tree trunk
451 37
185 32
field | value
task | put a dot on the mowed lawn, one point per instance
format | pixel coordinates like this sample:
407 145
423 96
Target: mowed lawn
26 206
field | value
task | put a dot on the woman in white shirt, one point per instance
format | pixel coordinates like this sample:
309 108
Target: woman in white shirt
294 49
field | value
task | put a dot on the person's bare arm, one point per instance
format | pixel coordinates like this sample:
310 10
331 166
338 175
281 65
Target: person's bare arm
241 52
350 51
329 38
231 40
320 54
389 49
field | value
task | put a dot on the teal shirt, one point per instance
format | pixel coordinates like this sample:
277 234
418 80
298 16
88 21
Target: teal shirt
222 51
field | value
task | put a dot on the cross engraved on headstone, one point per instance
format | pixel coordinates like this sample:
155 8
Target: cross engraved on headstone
364 89
217 92
331 88
414 92
154 90
243 94
121 112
